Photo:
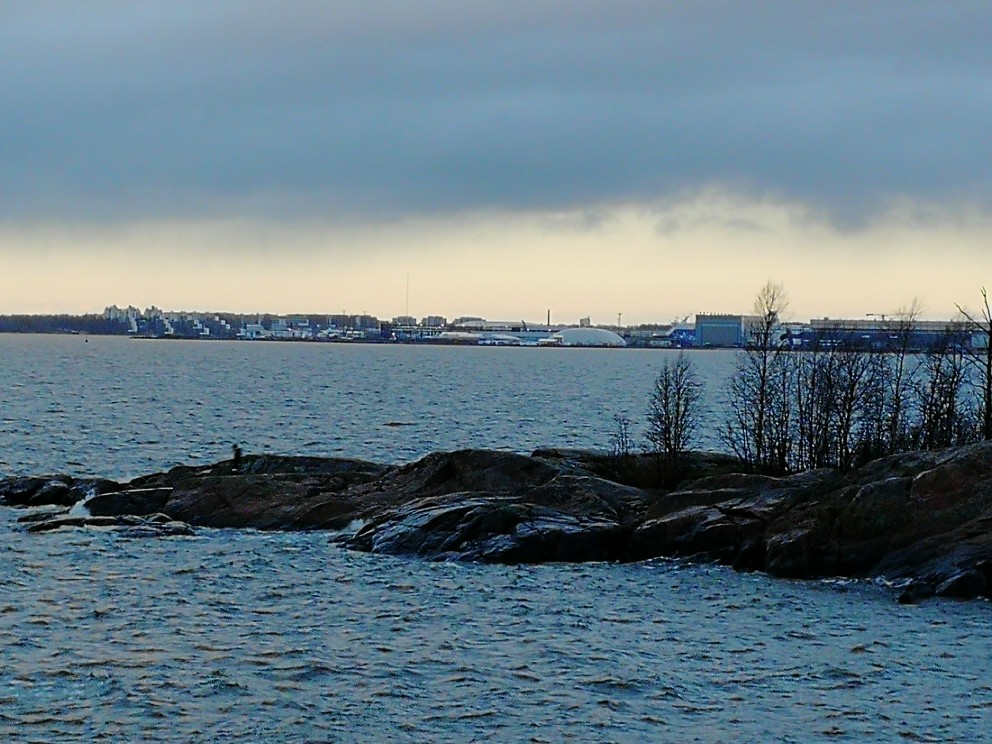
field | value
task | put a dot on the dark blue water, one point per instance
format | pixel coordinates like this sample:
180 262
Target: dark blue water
119 407
243 636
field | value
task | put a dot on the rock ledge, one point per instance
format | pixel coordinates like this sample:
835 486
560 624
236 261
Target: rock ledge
922 521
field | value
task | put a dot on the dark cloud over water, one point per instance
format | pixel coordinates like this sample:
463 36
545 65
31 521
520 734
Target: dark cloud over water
151 110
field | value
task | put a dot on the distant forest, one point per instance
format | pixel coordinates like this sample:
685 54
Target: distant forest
95 324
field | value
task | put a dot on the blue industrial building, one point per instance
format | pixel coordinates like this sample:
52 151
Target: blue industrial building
888 335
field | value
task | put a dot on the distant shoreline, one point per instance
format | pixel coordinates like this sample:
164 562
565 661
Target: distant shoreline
427 341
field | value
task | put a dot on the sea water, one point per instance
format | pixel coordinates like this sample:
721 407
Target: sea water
248 636
122 407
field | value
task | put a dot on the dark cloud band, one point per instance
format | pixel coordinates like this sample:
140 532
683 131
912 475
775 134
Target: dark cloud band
299 109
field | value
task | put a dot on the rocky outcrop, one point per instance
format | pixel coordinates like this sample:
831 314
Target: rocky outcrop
52 490
922 521
136 501
266 492
567 517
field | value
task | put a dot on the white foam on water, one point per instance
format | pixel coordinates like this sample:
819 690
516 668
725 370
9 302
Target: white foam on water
354 526
79 509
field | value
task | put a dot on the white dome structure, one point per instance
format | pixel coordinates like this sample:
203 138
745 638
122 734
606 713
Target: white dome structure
587 337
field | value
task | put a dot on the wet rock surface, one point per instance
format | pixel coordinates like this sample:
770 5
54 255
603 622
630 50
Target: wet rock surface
52 490
155 525
920 520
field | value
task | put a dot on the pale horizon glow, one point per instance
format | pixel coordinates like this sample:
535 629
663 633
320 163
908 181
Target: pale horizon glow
650 263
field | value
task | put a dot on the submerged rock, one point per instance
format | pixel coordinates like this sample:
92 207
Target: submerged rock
963 585
156 526
40 514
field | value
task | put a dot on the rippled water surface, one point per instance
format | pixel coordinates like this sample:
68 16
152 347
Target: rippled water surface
121 407
246 636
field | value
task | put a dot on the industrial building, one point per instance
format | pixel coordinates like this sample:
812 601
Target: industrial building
889 335
719 330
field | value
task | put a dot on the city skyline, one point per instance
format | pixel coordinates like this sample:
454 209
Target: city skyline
648 159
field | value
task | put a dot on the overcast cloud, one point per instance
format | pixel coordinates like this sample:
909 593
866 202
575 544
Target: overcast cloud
147 110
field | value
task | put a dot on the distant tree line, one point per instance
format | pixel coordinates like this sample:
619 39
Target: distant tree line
835 404
95 324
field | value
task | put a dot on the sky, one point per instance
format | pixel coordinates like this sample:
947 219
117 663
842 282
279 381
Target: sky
641 160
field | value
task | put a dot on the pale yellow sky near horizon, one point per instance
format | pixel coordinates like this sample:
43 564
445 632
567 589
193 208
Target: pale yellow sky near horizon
650 263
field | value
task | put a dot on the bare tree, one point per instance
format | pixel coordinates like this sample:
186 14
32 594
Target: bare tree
761 418
900 372
980 356
838 399
814 399
674 416
943 419
621 440
858 375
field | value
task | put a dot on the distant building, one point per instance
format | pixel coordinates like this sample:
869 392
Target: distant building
281 328
434 321
255 331
115 313
719 330
404 321
461 338
661 335
584 337
481 325
889 335
365 323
